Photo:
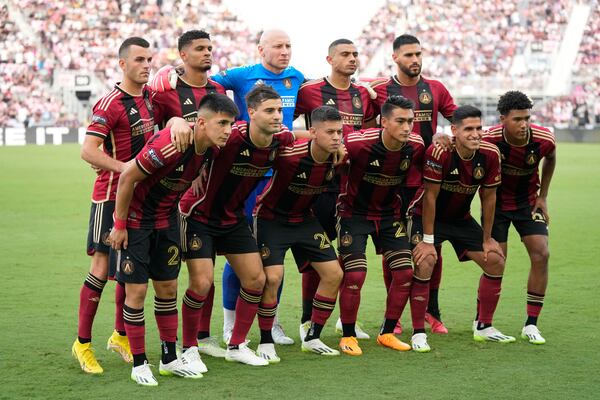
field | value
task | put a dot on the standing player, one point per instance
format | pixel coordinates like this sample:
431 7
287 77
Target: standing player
522 146
214 220
430 98
147 236
284 220
379 162
442 212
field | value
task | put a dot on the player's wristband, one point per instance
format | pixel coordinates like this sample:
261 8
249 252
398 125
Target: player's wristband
119 223
428 239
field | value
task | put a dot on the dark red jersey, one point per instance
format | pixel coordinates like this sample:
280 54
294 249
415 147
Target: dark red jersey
459 179
182 101
233 175
354 103
296 181
520 164
376 174
430 97
170 174
124 122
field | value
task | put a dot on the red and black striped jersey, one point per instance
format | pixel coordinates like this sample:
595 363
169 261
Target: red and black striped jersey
376 174
354 104
520 165
296 182
124 122
430 97
170 174
232 177
182 101
459 179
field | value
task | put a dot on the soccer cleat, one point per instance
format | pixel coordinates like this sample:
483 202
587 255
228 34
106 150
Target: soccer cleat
491 334
142 375
243 354
419 343
532 334
360 333
398 328
279 336
267 351
120 344
304 327
178 367
474 326
318 347
210 347
391 341
191 358
437 326
84 353
349 345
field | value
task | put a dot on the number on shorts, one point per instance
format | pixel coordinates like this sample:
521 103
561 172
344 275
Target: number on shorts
174 253
401 232
325 242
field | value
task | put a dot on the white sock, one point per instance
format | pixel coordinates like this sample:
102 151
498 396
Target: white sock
228 318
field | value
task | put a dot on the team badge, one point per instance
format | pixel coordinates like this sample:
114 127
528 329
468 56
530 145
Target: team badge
404 164
105 238
195 243
531 159
329 175
425 98
346 240
538 216
287 83
356 102
265 252
416 238
478 172
127 267
272 154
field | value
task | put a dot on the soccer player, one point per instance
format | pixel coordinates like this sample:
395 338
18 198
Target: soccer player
146 234
430 98
521 198
379 163
441 211
214 221
283 219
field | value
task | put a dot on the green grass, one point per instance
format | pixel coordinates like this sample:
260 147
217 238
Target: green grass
44 209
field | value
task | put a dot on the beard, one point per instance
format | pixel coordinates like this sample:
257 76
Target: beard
409 72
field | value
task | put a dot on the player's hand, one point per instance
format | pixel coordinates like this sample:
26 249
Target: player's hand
126 165
491 246
541 206
165 79
182 136
367 85
96 169
118 238
196 185
423 250
340 157
443 141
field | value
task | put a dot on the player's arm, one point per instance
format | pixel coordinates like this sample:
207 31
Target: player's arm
548 165
426 248
488 209
182 135
91 153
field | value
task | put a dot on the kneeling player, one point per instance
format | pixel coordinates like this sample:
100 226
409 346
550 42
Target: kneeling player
452 177
147 236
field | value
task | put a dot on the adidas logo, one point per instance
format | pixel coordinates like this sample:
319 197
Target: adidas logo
375 163
180 168
330 102
245 153
454 171
133 111
302 175
188 102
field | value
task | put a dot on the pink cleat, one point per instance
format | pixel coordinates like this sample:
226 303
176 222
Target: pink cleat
437 326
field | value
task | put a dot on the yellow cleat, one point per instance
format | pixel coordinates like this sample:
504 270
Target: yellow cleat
84 353
120 344
391 341
349 345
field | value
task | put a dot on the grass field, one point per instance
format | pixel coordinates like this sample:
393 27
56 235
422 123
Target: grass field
44 209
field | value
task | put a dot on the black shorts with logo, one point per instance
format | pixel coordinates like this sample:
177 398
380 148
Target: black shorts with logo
151 254
307 239
524 221
389 234
205 241
324 210
101 222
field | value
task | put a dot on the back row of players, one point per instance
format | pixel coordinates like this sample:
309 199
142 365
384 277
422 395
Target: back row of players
410 195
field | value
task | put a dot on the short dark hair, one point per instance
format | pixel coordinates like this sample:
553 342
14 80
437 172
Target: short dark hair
132 41
513 100
464 112
218 103
325 113
189 36
336 43
396 101
259 94
404 39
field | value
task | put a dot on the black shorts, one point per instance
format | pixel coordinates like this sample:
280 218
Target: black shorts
150 254
406 195
307 239
101 222
205 241
523 221
324 210
464 234
388 234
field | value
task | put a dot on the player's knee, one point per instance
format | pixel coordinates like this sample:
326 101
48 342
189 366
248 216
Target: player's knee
99 265
495 264
136 294
540 257
255 281
200 284
425 269
273 280
333 277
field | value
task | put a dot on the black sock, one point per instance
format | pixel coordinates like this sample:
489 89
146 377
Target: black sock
306 310
415 331
265 336
481 325
139 359
168 352
83 340
388 326
203 335
314 332
531 321
349 330
122 333
433 307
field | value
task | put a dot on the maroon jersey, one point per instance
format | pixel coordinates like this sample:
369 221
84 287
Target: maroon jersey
429 96
520 164
354 104
232 176
459 179
376 174
296 181
170 174
124 122
183 101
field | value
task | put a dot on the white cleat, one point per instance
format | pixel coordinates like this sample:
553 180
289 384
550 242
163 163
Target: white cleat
491 334
142 375
191 358
210 347
318 347
418 342
532 334
243 354
178 367
267 351
360 333
303 330
474 327
279 336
